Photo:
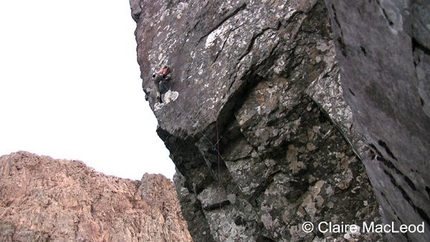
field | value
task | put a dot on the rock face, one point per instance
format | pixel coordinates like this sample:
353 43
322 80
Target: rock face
383 48
42 199
259 132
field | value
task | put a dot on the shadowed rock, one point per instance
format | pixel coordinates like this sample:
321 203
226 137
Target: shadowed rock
383 48
260 134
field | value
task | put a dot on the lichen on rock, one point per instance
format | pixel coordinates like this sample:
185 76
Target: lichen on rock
259 133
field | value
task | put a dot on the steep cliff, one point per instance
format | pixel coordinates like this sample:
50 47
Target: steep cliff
257 126
383 48
42 199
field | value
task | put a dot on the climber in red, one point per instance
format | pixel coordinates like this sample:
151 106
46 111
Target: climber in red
161 81
164 71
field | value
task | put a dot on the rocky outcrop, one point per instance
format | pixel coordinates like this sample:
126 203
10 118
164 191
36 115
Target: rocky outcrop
42 199
383 48
259 132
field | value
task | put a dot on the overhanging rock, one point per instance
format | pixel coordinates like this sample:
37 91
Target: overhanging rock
257 151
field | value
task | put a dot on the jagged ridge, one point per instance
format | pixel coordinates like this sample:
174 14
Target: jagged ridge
42 199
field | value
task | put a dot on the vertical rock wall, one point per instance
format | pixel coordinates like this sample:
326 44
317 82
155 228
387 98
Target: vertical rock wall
259 132
383 49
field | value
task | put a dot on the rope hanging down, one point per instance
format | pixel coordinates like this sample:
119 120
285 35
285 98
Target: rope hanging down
219 164
216 146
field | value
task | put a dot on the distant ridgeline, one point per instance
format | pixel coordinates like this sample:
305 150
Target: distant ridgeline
42 199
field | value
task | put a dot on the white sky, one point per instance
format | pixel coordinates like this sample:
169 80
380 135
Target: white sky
70 86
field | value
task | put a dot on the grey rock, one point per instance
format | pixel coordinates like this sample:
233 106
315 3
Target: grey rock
256 116
383 53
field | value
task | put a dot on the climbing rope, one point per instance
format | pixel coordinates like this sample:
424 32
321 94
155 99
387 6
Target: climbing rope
216 146
219 164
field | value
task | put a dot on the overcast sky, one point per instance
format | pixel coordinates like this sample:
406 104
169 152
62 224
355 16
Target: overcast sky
70 86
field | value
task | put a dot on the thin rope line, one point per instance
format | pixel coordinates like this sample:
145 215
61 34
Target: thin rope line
216 145
219 165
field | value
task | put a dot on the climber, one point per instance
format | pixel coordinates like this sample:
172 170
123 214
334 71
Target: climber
161 81
163 71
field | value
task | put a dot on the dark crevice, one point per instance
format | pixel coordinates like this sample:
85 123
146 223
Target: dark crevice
428 191
262 187
387 18
195 25
353 94
372 155
410 183
273 50
261 238
339 40
422 102
384 145
251 43
423 215
387 163
228 16
219 52
394 182
249 48
404 234
238 98
374 149
342 46
390 165
363 50
230 137
239 220
419 210
223 44
216 205
185 165
417 45
226 114
335 16
380 158
232 77
136 17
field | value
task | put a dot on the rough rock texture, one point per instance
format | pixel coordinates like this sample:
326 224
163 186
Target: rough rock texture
42 199
383 48
259 132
